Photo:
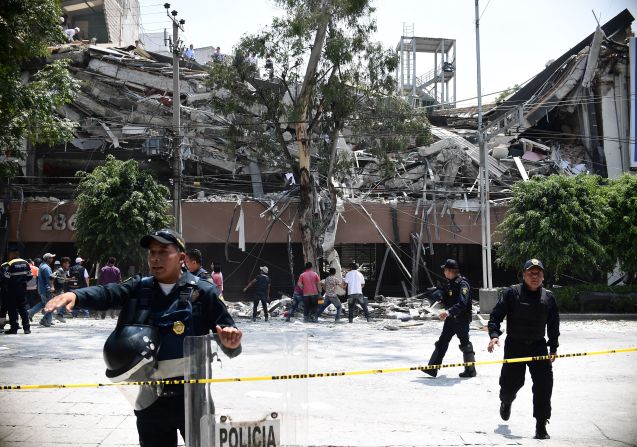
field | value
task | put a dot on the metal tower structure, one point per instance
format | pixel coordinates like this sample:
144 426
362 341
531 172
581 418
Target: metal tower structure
433 87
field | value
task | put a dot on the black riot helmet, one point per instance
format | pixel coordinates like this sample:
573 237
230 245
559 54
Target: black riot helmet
130 352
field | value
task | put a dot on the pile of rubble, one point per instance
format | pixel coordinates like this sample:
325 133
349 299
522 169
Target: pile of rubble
126 102
395 312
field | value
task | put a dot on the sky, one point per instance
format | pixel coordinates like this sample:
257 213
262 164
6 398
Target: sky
517 37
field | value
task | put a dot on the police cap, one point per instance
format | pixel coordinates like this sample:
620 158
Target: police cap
450 264
164 236
533 263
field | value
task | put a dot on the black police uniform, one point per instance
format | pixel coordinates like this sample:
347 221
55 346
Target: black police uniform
203 274
529 314
456 299
15 275
191 308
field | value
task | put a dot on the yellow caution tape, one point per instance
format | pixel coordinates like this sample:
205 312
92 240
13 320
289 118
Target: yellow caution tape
317 375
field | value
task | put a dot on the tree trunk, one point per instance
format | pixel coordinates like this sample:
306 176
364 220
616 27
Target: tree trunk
307 219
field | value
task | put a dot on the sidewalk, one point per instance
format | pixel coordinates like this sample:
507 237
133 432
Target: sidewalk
594 398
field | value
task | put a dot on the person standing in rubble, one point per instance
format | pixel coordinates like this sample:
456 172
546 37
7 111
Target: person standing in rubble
531 312
456 299
354 281
330 284
261 292
310 282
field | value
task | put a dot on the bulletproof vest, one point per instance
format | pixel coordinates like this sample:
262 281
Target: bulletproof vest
451 293
77 273
182 318
16 274
527 320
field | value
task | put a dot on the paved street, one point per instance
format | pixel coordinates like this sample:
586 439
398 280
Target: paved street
594 399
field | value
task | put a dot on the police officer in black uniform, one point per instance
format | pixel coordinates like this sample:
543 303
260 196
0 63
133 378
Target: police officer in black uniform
194 263
456 299
531 312
15 273
158 312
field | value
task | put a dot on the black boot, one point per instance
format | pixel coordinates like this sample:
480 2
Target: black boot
505 410
436 359
469 356
540 429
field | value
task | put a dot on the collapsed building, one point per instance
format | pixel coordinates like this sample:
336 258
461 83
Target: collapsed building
570 118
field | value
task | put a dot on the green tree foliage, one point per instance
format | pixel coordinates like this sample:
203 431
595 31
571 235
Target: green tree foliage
622 221
353 86
327 73
27 105
560 220
118 204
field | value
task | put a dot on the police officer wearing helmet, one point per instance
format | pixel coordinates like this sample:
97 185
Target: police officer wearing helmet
158 311
531 312
456 299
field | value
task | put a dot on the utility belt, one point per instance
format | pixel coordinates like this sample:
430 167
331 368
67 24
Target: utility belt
172 390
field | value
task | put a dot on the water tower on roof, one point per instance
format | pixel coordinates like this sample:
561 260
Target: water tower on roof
427 88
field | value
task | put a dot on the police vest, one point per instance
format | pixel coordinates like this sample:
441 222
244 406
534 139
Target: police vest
527 319
450 295
79 280
182 318
16 273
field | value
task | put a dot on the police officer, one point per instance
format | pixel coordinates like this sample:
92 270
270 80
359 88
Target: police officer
193 262
167 306
531 311
456 299
16 272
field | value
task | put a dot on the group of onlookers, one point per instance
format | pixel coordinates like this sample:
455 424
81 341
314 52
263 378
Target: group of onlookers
311 291
27 285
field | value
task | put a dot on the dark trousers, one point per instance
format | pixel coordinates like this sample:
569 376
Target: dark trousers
17 305
157 425
512 375
452 326
351 304
310 306
3 306
264 302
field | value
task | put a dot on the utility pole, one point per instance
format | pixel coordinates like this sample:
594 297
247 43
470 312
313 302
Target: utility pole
488 295
176 158
487 280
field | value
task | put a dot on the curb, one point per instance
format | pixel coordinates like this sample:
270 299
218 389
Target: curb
588 317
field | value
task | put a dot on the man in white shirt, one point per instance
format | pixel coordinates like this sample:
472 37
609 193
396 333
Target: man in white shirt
354 281
71 33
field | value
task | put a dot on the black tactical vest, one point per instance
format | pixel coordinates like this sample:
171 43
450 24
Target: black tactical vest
451 293
527 319
77 273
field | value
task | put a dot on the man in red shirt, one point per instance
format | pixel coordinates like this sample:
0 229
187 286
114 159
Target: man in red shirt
310 282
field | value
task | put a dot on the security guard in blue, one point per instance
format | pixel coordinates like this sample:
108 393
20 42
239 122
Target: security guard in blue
456 299
531 313
158 312
15 273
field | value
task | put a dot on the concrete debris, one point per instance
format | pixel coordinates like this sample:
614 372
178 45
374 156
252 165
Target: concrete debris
409 311
126 99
